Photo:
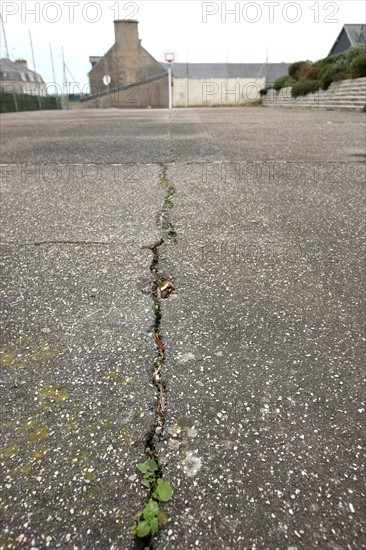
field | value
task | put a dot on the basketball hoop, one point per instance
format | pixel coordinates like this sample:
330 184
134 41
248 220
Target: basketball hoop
169 57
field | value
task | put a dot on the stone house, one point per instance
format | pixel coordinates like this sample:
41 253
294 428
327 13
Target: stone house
16 77
136 79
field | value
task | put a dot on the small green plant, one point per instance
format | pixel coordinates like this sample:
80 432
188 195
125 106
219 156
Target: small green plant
149 520
163 491
148 469
152 518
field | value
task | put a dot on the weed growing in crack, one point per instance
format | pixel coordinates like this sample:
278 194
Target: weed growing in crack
151 518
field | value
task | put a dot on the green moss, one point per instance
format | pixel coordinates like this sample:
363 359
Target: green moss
6 348
7 541
43 354
31 425
126 434
13 291
38 435
71 425
92 494
115 376
24 471
91 430
78 457
55 393
39 455
108 423
9 452
20 365
7 359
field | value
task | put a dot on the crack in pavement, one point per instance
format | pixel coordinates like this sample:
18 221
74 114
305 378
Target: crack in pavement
156 432
159 290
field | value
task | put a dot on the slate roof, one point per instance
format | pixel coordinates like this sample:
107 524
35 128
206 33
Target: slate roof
16 72
356 34
207 71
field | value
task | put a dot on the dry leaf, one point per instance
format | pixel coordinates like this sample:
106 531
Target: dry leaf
165 285
158 341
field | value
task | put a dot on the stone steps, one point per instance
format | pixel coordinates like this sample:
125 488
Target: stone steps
348 94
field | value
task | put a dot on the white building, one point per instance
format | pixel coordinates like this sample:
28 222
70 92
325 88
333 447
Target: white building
214 84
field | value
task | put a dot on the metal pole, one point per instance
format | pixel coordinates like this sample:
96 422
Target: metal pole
53 66
54 75
170 86
5 41
35 70
64 78
31 44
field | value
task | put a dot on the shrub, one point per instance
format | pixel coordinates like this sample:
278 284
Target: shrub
299 69
313 73
340 75
324 62
263 92
353 52
357 68
326 77
305 87
305 77
283 82
280 82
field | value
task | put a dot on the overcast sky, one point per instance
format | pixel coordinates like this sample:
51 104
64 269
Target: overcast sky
196 31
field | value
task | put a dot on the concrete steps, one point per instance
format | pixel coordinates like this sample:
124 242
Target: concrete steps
347 94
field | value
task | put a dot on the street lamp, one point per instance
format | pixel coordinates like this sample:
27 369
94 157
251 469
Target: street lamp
169 58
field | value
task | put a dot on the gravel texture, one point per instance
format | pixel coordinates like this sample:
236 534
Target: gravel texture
263 334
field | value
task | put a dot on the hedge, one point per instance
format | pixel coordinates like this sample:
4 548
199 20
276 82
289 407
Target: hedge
10 102
305 87
357 68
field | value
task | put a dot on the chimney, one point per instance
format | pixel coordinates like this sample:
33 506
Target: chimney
126 34
22 62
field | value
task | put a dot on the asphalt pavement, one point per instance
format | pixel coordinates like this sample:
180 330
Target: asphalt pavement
255 219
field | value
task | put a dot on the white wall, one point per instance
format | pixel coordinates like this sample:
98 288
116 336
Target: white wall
192 92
